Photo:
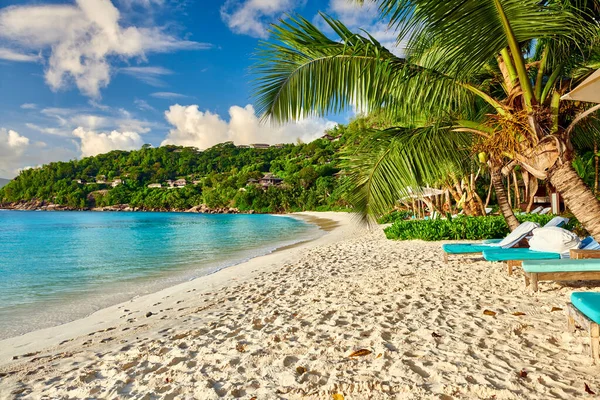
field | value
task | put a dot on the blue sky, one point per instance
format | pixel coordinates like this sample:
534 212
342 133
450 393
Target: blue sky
82 77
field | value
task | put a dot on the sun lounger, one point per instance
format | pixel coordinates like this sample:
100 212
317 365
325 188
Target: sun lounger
511 240
560 270
537 210
545 211
514 257
584 311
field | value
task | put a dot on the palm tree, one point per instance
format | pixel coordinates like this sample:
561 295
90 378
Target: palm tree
512 59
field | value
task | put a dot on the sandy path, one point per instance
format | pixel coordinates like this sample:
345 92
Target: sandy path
287 330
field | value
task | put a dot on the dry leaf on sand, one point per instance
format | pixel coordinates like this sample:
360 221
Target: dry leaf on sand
518 313
337 396
556 309
360 353
300 370
490 313
523 374
588 390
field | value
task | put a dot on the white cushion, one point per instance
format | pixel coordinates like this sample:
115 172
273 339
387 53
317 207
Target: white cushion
517 235
553 240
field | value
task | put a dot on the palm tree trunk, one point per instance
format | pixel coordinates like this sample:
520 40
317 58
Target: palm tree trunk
489 195
503 201
596 168
533 188
508 189
517 193
578 197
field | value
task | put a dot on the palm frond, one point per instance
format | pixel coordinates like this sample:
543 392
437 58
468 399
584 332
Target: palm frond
301 72
472 31
391 161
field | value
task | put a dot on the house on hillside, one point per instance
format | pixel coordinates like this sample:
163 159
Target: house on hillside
242 146
331 138
279 145
154 185
116 182
270 180
252 181
260 146
179 183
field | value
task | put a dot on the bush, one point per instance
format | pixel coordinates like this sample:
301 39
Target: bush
457 228
394 216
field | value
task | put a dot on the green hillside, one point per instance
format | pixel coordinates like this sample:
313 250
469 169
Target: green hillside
303 177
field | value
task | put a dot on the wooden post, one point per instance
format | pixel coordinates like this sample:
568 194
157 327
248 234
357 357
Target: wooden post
534 281
510 264
555 203
595 339
445 258
571 323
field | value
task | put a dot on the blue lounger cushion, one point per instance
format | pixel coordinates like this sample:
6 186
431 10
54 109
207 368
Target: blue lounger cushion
488 241
565 265
518 254
588 303
464 248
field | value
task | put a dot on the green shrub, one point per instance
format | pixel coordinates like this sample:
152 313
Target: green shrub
457 228
394 216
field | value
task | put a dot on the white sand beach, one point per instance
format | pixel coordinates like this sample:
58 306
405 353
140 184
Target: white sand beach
284 326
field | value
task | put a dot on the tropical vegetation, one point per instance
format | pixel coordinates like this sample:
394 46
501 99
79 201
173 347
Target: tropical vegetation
219 177
475 77
457 228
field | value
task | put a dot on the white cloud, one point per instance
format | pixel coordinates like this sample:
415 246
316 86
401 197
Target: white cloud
193 127
168 95
12 147
82 40
47 130
11 55
29 106
98 105
143 105
93 143
141 3
68 119
252 17
149 75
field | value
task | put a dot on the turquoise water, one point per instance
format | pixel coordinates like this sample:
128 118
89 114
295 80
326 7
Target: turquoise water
59 266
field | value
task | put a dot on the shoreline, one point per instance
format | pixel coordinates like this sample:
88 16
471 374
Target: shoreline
199 209
352 314
40 339
26 318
